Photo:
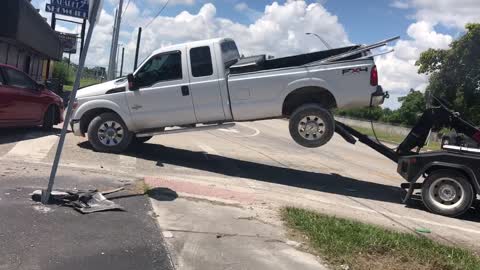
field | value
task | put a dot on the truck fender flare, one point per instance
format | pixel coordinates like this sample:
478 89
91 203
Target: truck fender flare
305 82
446 165
102 104
302 83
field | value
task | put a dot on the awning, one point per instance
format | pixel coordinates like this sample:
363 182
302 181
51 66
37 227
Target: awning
24 26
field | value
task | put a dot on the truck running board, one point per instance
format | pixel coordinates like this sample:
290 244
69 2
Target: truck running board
180 130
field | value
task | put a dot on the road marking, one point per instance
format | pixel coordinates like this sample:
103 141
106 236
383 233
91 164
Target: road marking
231 130
34 148
256 131
128 161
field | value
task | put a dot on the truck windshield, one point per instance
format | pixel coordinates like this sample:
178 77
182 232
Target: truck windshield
230 53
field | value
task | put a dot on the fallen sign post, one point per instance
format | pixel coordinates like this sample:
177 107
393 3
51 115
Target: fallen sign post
95 8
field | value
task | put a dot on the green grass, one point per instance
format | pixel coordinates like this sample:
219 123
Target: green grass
392 138
83 83
361 246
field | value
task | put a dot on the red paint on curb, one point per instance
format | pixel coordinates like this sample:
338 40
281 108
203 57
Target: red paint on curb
200 189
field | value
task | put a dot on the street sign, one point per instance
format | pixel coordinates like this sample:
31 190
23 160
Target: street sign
96 11
73 8
69 42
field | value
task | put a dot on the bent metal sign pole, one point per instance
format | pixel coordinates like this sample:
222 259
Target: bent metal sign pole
94 11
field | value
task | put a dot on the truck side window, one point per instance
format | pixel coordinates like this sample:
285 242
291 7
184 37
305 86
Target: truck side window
162 67
201 61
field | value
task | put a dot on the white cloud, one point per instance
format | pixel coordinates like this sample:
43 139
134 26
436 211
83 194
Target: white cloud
251 13
446 12
172 2
397 70
399 4
280 30
242 6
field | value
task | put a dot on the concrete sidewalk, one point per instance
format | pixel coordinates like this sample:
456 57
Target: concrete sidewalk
36 237
214 228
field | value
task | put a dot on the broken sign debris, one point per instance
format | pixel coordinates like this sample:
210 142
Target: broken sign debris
83 201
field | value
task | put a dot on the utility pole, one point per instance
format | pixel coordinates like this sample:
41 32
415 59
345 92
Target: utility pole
53 23
112 46
82 35
116 31
117 61
138 48
121 65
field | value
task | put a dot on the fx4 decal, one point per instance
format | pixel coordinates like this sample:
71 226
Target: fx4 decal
354 70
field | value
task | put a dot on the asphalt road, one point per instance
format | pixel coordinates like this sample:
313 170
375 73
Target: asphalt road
260 159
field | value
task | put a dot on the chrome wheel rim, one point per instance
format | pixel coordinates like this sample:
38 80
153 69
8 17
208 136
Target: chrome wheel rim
110 133
446 193
311 127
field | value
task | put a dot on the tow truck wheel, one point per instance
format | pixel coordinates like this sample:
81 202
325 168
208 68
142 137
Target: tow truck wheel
447 193
311 125
108 133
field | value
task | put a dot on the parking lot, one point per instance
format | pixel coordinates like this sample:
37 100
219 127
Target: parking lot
255 165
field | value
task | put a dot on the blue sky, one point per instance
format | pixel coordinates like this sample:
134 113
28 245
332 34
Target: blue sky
364 21
278 28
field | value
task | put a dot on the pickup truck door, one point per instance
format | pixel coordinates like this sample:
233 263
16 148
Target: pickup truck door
163 98
205 84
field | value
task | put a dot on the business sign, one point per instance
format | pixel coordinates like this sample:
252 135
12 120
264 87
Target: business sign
72 8
69 42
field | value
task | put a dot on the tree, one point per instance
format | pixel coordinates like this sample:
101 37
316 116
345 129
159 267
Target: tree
455 72
412 106
61 72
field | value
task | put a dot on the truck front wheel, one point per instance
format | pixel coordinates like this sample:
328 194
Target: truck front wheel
311 125
447 193
108 133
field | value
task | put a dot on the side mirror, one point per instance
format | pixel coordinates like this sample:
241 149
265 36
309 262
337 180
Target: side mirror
131 82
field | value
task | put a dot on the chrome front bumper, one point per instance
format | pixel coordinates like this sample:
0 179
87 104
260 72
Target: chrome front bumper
75 126
378 97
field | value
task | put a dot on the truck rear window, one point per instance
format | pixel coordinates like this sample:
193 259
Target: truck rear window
230 53
201 61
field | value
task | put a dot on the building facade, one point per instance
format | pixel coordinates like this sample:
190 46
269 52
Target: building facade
26 39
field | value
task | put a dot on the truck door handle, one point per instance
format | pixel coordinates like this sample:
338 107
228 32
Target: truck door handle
185 91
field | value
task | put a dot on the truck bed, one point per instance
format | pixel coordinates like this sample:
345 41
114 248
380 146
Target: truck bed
259 62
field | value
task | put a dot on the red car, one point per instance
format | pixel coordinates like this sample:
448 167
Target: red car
23 102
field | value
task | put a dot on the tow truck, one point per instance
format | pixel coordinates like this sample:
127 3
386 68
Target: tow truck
449 179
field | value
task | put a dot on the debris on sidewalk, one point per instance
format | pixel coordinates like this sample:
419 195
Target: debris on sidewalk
85 202
423 230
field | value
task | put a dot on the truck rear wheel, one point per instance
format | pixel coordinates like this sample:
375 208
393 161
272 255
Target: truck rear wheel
108 133
447 193
311 125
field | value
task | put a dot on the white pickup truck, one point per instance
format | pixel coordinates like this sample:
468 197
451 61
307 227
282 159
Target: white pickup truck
206 84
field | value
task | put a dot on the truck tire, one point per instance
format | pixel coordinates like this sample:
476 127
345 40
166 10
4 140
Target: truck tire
108 133
447 193
49 118
311 125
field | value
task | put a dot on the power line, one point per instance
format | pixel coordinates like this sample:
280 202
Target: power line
165 5
125 10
